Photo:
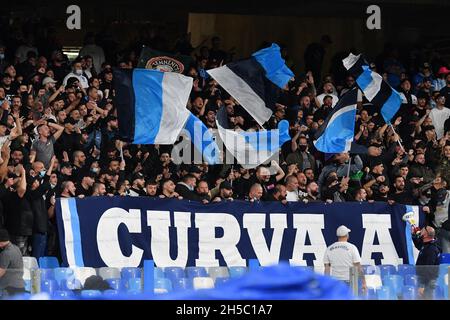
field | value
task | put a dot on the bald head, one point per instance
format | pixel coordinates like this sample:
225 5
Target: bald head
428 233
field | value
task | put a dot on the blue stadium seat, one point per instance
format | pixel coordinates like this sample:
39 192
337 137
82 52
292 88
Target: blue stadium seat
70 284
46 274
370 269
49 286
62 294
409 293
370 294
173 273
443 268
385 293
158 272
387 269
110 293
115 284
193 272
220 281
439 293
218 272
130 272
109 273
163 285
404 269
445 258
48 262
134 292
91 293
395 282
182 284
410 280
237 271
134 284
62 274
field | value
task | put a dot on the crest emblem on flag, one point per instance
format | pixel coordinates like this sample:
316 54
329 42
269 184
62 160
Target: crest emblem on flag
165 64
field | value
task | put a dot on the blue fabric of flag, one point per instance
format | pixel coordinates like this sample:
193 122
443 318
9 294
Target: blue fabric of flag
274 65
148 93
337 132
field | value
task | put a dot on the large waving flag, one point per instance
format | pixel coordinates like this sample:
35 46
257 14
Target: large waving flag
151 105
252 148
337 132
375 89
255 82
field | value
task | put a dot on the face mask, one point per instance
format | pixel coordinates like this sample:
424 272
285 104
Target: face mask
42 173
79 72
2 56
52 186
302 148
94 170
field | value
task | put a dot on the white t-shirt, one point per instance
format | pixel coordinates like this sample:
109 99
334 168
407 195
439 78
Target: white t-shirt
292 195
438 118
320 97
341 256
82 79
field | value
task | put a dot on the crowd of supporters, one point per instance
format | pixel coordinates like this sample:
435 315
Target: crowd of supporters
59 136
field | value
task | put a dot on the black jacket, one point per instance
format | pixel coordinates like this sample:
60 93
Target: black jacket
427 264
187 194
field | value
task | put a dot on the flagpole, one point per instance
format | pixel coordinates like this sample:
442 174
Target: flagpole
399 142
349 165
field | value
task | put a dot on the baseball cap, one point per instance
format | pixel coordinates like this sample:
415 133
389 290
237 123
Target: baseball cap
195 169
342 231
48 80
138 176
4 235
443 70
225 185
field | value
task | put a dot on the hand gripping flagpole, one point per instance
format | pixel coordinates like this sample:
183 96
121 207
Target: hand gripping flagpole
399 139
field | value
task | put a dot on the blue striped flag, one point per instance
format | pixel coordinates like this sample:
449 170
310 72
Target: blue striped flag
375 89
337 132
255 82
151 105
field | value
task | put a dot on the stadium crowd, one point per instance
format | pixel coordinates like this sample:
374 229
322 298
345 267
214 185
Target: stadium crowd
59 136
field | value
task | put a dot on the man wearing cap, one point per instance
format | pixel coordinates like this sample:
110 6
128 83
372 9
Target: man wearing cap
138 185
225 192
440 83
11 266
341 256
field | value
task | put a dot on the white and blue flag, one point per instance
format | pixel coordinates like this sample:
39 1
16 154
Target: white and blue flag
337 132
255 82
375 89
252 148
151 105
